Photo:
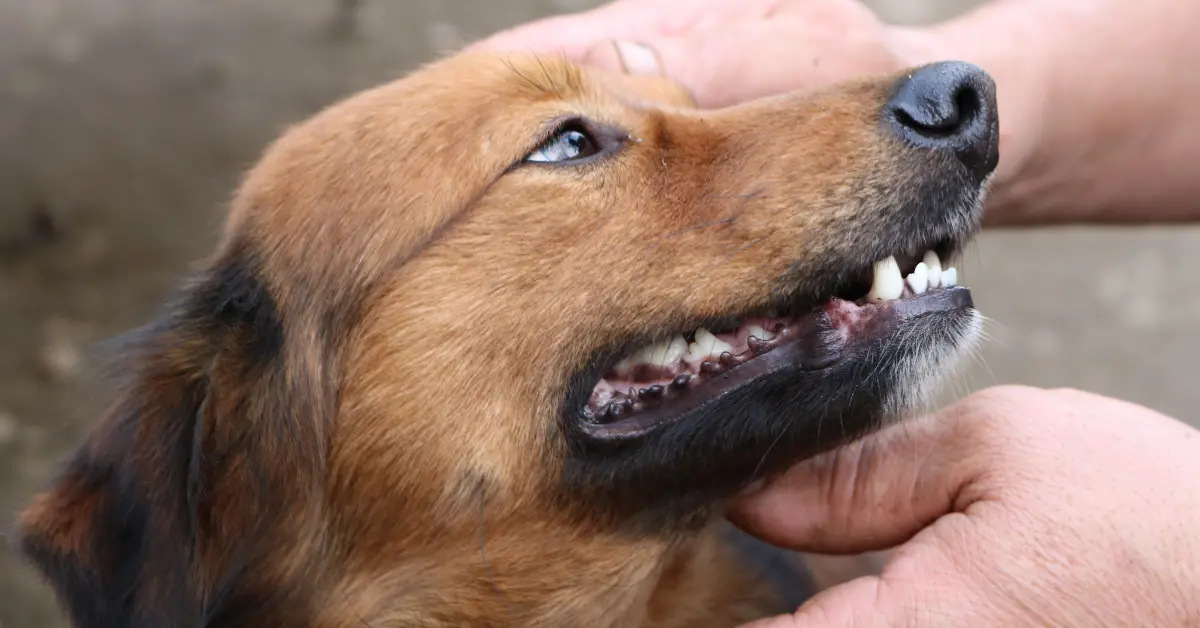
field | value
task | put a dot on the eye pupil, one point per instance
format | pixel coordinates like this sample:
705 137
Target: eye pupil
578 141
567 145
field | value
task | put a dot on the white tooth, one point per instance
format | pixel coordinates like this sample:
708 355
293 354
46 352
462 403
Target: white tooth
949 277
888 285
918 280
624 367
935 268
758 332
665 353
679 347
706 345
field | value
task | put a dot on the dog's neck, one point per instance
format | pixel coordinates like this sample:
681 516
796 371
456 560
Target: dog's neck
614 582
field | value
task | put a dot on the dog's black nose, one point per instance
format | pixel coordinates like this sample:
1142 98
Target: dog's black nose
949 106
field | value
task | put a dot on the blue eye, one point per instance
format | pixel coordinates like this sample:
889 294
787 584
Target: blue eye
567 145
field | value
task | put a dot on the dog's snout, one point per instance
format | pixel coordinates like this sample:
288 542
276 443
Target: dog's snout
948 106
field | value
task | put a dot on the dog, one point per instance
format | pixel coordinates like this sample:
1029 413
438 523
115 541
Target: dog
497 343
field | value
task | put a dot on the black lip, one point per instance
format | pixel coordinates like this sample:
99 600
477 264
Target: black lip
678 475
818 347
815 349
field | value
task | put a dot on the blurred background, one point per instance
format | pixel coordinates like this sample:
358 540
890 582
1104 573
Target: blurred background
125 125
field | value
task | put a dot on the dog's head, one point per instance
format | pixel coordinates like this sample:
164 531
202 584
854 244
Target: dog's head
482 344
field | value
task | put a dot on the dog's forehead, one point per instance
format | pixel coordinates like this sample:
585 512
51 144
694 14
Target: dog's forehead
364 184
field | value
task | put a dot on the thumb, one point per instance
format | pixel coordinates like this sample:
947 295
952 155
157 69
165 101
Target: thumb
718 69
875 493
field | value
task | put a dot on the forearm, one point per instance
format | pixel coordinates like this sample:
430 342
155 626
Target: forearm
1099 107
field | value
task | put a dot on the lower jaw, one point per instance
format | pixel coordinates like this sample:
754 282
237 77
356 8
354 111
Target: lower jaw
810 342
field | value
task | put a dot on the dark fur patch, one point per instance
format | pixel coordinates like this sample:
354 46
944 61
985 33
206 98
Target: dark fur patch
126 534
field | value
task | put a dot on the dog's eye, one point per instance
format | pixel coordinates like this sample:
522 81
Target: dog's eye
568 144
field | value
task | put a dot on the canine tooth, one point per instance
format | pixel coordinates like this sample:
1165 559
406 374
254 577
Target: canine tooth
918 279
935 268
758 332
949 277
888 285
706 344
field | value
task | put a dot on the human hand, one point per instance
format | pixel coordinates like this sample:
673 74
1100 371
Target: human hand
728 51
1013 507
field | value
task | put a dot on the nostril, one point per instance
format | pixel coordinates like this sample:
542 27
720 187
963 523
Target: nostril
950 107
940 120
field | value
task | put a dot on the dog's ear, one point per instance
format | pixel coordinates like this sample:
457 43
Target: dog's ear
215 443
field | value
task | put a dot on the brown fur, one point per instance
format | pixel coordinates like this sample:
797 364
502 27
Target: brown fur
350 417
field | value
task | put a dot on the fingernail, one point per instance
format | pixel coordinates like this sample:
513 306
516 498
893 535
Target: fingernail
638 58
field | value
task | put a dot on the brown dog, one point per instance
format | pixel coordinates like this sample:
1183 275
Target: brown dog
408 389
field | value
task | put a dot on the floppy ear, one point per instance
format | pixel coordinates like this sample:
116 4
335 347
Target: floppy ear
212 446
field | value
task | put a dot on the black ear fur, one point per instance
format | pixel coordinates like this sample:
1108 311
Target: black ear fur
208 417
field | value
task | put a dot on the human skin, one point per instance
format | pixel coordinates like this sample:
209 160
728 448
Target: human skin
1097 98
1013 507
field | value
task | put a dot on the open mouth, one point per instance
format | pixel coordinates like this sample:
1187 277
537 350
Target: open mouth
661 381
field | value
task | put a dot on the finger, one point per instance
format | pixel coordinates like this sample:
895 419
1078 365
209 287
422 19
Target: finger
573 34
878 492
719 67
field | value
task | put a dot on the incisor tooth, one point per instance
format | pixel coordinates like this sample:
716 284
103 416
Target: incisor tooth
935 268
706 344
758 332
623 367
887 285
918 280
666 353
674 352
949 277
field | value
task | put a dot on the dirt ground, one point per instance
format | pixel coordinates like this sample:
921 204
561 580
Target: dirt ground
124 125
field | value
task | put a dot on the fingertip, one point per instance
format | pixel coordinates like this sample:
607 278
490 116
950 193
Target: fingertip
572 34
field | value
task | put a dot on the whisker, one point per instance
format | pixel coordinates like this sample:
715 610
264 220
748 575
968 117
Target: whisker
763 459
675 234
532 83
743 249
702 225
740 208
